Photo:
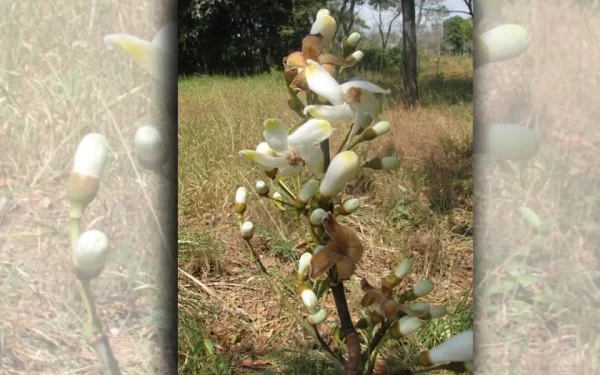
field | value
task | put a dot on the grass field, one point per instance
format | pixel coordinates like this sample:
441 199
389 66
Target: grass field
59 82
228 319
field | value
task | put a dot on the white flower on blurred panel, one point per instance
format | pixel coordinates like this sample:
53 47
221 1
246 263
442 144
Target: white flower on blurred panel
151 56
90 253
503 42
324 25
91 155
353 99
148 144
295 150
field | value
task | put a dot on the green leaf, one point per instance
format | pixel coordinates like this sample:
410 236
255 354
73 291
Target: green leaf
531 217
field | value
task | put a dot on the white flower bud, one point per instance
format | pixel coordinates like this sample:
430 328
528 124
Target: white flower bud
304 265
308 191
324 25
403 268
309 298
318 316
317 249
277 196
357 56
375 131
350 206
316 217
353 39
437 311
247 230
512 142
503 42
262 188
420 307
148 144
91 155
90 254
241 194
458 348
422 288
406 326
390 163
342 169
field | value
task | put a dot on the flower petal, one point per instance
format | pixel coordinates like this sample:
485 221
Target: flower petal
294 60
299 82
323 260
345 267
364 85
333 114
330 58
146 54
290 171
265 160
311 47
276 135
310 133
322 83
314 159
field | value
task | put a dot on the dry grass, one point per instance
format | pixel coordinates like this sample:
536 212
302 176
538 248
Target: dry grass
57 83
219 116
537 310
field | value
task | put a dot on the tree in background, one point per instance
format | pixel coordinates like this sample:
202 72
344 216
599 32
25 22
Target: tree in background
409 39
385 27
458 35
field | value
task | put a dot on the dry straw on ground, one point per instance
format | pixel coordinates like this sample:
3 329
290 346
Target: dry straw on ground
548 324
59 82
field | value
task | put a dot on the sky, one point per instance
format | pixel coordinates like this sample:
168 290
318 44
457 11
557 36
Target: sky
366 13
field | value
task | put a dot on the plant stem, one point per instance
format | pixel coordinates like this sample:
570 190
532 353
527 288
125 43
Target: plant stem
376 339
355 360
310 329
286 189
373 358
346 138
98 339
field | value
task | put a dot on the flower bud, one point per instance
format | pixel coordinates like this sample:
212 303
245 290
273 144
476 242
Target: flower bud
148 145
512 142
388 163
349 207
84 181
90 254
240 200
247 230
304 266
353 39
324 25
436 312
503 42
423 288
309 298
375 131
406 326
342 169
318 316
357 56
420 308
262 188
458 348
316 217
318 248
308 191
349 44
403 268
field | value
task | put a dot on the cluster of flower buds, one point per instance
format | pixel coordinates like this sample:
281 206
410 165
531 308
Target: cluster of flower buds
90 249
317 314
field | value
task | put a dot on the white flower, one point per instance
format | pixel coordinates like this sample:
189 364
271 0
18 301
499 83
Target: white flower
350 206
295 150
316 217
512 142
503 42
353 39
241 194
308 191
262 188
353 99
91 155
90 253
148 144
458 348
151 56
325 25
343 168
357 56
